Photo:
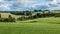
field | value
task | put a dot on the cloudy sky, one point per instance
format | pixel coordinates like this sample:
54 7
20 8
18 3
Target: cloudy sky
18 5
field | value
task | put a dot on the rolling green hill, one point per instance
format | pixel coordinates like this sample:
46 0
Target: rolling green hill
36 26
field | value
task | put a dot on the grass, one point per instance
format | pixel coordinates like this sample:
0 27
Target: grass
36 26
51 20
29 28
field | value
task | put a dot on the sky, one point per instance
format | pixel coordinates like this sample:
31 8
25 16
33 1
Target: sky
20 5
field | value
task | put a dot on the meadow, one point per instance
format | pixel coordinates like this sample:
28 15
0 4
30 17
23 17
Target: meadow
50 25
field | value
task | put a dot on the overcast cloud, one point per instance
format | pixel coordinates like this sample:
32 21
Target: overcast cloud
18 5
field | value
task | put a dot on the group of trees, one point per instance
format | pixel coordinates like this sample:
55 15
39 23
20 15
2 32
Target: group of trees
45 13
22 13
26 15
38 15
9 19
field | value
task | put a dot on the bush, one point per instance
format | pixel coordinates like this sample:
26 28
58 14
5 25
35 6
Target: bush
9 19
1 19
22 18
0 15
38 15
30 17
19 19
57 15
27 13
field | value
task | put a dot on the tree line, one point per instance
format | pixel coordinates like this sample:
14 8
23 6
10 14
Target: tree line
28 15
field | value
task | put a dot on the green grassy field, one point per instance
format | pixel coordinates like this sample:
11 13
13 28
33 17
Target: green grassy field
36 26
29 28
51 20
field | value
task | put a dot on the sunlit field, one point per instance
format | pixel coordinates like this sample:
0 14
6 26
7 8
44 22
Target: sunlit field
50 25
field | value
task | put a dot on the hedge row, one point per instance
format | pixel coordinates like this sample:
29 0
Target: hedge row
38 15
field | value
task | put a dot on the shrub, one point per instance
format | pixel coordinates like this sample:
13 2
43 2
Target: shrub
30 17
57 15
1 19
27 13
0 15
22 18
9 19
19 19
38 15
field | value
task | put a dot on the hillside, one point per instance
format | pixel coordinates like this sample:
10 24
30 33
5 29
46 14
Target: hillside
50 25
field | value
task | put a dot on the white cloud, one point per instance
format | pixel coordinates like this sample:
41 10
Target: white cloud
54 2
1 0
4 7
23 4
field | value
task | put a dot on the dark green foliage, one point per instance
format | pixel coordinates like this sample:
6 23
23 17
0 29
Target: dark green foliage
52 14
9 19
9 16
22 18
30 17
27 13
34 16
0 15
17 13
1 19
40 15
37 10
57 15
